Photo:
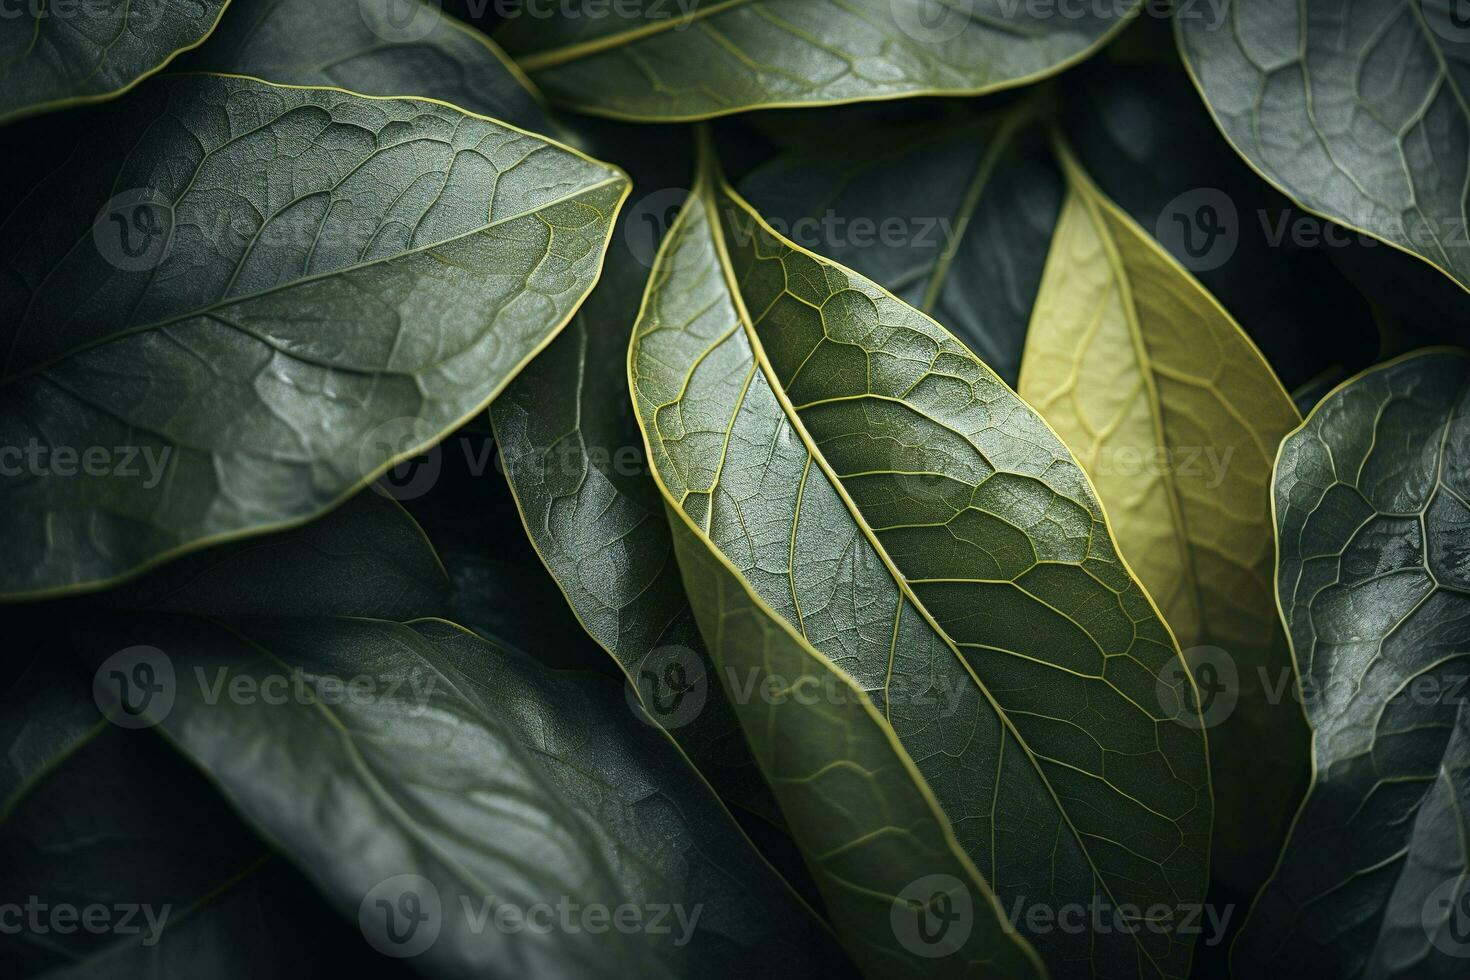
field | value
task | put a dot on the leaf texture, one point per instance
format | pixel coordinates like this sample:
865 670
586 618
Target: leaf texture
377 47
86 827
1176 417
868 824
367 749
574 460
953 218
1355 110
1372 506
58 54
652 60
889 497
341 281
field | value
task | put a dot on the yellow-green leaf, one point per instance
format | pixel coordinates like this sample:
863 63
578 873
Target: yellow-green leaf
1176 416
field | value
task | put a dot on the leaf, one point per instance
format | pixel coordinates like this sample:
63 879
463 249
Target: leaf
876 840
952 218
651 60
882 491
1151 146
57 54
338 281
1372 503
377 47
369 750
86 830
574 460
1353 110
1176 417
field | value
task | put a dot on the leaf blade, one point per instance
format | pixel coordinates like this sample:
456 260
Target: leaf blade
721 56
294 319
1176 416
715 385
1369 499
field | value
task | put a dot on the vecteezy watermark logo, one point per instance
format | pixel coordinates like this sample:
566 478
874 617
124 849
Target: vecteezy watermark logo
38 917
1446 917
401 916
1216 678
649 220
400 21
411 476
932 21
1450 19
135 688
139 16
933 916
671 686
1200 228
134 230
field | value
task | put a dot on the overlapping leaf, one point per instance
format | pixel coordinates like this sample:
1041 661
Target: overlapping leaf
656 60
244 300
368 750
1148 142
573 457
378 47
110 823
1356 110
1176 417
1372 504
890 498
58 53
905 897
954 218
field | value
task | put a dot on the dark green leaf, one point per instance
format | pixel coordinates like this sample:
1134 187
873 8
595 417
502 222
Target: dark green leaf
326 284
60 53
368 750
123 862
955 218
892 499
1354 110
377 47
1372 498
657 60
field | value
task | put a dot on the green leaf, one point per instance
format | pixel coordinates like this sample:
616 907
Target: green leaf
326 284
377 47
954 218
1354 110
110 819
878 844
1372 506
58 54
1148 142
1176 417
886 494
573 457
653 60
368 749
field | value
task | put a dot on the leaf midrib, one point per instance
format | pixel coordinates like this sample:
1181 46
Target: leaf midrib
554 57
706 193
227 302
